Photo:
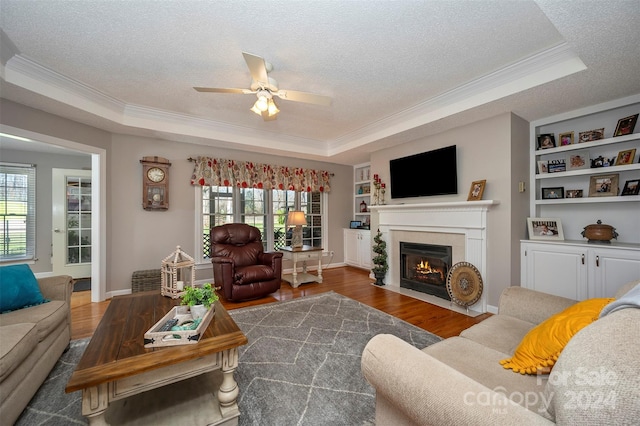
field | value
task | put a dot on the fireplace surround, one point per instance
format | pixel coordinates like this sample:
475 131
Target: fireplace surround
462 225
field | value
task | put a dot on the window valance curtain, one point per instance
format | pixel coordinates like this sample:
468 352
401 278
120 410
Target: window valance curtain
246 174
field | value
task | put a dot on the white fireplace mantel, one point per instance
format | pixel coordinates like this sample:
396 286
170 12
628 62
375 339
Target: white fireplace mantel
462 218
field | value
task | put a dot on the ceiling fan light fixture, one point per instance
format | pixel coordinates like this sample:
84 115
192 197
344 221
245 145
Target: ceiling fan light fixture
255 109
262 103
273 108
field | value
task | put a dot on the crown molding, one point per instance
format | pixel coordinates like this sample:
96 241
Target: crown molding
556 62
28 74
543 67
183 124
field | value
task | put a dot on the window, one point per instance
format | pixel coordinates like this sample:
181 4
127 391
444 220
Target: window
282 202
311 205
252 208
217 209
17 211
265 209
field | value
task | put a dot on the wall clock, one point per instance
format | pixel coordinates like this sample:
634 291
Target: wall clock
155 183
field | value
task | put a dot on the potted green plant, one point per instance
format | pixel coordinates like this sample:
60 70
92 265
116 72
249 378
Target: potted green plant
199 299
380 259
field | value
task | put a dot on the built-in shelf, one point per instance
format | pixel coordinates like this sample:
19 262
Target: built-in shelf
591 200
362 193
578 209
594 171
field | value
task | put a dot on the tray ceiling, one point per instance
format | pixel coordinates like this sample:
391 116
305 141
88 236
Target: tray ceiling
395 71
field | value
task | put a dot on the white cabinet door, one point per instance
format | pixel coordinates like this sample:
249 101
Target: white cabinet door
357 248
351 244
559 270
365 249
612 268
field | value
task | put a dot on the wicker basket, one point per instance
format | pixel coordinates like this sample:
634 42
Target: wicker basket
146 280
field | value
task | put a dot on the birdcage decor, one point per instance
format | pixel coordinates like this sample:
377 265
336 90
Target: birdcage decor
178 272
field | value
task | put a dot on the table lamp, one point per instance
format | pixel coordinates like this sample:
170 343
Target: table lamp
297 219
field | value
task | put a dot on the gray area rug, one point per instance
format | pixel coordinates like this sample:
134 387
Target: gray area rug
51 405
300 367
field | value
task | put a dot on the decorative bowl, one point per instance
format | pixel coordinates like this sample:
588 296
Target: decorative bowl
599 232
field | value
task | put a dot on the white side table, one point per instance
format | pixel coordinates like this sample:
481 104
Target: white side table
303 254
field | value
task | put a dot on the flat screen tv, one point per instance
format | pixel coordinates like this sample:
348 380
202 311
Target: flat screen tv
425 174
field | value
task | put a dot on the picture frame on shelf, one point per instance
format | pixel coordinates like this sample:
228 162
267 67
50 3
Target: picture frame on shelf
574 193
554 193
631 187
604 185
545 228
566 138
626 125
626 157
476 190
601 161
557 165
546 141
542 167
579 160
591 135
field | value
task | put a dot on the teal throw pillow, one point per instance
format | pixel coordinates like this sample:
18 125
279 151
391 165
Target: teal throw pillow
18 288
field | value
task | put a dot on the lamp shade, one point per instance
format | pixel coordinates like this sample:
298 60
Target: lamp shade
273 108
296 218
262 103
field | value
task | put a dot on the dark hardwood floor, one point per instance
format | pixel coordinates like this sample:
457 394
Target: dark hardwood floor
351 282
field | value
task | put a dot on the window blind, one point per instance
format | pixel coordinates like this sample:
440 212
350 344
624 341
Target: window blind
17 211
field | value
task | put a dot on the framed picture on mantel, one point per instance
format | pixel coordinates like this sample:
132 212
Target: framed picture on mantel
476 190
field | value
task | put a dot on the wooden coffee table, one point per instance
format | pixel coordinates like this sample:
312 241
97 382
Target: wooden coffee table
123 382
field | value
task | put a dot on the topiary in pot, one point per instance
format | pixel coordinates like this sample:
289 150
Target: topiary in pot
195 296
380 260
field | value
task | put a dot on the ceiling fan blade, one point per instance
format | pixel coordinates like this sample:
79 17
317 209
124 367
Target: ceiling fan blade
224 90
310 98
257 67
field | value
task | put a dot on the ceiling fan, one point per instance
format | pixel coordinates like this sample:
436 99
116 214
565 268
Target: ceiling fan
265 88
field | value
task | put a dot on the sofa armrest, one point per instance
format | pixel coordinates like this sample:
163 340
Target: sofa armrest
530 305
272 259
223 275
58 287
267 258
429 392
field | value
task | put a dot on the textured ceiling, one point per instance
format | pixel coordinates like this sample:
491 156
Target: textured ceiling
395 70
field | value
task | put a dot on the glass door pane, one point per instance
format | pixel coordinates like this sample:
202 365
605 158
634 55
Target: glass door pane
78 220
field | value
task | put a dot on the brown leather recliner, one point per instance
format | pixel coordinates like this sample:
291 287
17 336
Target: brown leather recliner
240 265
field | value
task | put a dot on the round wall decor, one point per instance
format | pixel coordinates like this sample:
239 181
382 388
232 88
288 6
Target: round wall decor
464 284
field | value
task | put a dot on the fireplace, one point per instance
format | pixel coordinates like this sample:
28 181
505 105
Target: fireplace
463 225
424 268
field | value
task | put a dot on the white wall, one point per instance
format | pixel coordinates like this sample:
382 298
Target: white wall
137 239
140 239
495 149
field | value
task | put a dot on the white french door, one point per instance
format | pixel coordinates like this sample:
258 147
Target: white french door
71 219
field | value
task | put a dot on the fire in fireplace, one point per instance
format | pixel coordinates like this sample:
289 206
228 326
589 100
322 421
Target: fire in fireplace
424 268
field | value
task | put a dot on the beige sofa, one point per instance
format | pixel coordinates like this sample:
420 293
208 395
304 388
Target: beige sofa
459 380
31 341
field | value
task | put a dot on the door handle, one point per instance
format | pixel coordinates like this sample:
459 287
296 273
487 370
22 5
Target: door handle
598 261
58 230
